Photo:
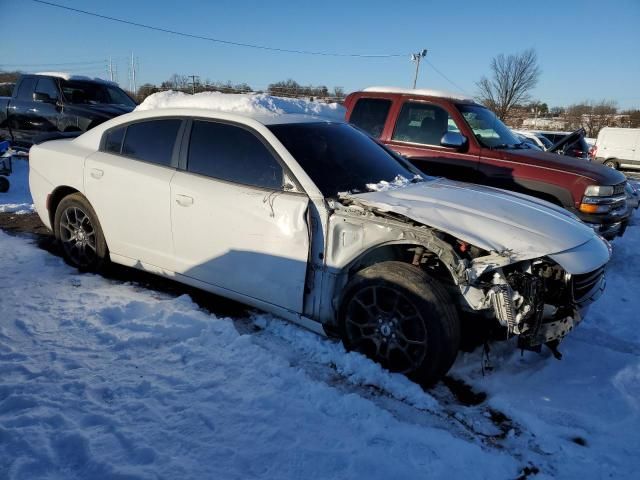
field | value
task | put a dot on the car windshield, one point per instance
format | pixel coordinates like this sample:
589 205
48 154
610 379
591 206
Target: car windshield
487 128
340 158
79 92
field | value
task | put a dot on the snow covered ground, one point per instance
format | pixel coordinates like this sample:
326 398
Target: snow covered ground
105 379
18 198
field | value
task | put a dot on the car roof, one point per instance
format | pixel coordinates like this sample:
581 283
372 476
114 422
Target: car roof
263 118
420 92
255 120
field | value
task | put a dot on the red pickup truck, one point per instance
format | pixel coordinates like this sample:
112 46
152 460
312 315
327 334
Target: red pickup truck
452 136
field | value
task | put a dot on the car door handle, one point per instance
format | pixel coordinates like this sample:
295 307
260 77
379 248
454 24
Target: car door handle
184 200
97 173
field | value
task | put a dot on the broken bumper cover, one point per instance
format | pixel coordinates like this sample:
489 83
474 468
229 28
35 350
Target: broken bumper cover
554 328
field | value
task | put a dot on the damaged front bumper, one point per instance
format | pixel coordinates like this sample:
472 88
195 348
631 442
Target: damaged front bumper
585 289
541 303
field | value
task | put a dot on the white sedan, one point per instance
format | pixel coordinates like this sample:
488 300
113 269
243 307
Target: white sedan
314 221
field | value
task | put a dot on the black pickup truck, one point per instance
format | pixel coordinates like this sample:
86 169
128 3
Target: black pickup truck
44 104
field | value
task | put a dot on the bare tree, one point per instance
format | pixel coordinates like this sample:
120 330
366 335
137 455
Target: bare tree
512 78
592 116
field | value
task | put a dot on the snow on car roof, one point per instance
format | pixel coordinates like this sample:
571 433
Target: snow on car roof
261 106
69 76
419 91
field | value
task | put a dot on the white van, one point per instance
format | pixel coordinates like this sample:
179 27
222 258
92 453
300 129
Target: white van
618 147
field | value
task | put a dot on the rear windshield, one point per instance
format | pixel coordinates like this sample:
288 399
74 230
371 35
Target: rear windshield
340 158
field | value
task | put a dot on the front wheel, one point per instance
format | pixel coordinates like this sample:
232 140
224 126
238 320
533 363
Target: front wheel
400 317
77 228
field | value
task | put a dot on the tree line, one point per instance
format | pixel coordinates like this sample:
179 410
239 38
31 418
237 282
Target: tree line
507 92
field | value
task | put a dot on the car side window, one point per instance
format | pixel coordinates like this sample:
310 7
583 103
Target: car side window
423 123
231 153
370 115
48 87
26 89
151 141
113 140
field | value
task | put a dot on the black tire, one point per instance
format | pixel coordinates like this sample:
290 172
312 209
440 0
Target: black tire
400 317
4 184
611 164
78 230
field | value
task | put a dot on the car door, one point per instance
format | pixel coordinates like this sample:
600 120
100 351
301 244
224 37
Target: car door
19 109
44 114
234 225
419 129
128 185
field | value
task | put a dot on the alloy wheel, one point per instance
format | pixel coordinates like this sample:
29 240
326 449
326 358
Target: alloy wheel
383 324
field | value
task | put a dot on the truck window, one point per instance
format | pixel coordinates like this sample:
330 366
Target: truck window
48 87
422 123
27 86
370 115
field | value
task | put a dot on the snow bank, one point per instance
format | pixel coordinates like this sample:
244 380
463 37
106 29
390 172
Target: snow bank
18 198
242 103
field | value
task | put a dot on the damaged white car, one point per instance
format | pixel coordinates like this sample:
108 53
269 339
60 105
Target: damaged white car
317 223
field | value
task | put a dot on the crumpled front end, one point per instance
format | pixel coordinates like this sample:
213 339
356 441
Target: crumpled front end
540 301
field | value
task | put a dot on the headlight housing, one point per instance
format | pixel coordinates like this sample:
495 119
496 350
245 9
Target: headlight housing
600 199
598 191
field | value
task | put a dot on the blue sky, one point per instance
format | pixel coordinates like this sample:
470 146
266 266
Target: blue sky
587 49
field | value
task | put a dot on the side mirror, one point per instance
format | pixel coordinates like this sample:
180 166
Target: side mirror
43 97
453 140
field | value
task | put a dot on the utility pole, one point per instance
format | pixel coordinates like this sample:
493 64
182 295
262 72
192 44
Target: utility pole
415 58
193 82
133 74
110 69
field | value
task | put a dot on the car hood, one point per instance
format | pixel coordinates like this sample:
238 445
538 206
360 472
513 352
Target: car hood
492 219
561 163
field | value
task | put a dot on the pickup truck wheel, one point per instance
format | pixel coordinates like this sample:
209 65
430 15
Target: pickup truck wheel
611 164
399 316
77 228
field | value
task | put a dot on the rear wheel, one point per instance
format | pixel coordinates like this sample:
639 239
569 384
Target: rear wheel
77 228
611 164
399 316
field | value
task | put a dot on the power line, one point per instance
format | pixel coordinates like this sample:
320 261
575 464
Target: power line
218 40
445 77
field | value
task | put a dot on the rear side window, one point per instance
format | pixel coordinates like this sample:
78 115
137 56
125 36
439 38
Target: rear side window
422 123
26 89
151 141
370 115
233 154
113 140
